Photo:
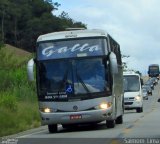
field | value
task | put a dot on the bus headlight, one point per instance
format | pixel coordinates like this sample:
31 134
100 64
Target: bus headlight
47 110
105 105
138 98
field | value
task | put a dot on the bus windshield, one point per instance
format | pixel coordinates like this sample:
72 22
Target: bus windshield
131 83
154 69
72 77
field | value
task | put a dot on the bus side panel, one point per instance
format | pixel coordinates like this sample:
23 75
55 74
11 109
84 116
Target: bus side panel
118 92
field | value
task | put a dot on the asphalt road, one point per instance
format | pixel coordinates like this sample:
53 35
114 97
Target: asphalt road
136 128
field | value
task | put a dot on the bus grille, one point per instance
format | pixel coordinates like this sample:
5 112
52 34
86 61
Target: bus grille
74 111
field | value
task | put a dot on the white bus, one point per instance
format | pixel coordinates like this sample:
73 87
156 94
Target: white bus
133 97
79 78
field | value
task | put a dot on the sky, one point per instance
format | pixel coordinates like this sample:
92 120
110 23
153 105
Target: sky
134 24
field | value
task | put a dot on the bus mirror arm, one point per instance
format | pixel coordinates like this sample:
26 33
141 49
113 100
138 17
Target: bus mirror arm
30 70
113 63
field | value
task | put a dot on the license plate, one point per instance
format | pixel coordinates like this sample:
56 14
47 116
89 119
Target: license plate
74 117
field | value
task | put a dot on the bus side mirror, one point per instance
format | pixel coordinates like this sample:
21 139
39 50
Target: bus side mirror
113 63
30 71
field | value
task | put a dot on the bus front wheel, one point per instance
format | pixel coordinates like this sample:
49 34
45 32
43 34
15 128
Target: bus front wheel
119 119
110 123
53 128
139 110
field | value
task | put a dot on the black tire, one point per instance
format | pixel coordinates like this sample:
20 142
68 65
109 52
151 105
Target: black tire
53 128
119 119
70 126
139 110
66 126
146 98
110 123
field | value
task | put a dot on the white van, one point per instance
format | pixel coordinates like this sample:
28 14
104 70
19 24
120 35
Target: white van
133 97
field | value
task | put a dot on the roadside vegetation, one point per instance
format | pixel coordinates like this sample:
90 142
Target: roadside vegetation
18 101
21 23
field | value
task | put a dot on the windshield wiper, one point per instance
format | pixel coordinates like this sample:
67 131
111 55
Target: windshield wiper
83 84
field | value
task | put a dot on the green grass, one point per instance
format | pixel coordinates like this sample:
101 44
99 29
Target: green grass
24 117
18 100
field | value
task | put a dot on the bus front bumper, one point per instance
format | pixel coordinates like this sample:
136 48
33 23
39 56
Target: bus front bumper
76 117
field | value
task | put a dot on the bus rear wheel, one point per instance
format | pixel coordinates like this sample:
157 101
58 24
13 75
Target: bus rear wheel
110 123
52 128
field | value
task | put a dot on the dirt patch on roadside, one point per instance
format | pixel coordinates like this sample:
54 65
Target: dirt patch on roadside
17 51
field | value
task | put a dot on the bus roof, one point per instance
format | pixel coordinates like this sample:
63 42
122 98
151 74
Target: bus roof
153 65
72 34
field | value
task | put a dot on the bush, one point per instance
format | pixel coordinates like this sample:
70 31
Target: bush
18 101
8 101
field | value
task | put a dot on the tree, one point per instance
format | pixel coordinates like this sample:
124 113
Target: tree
22 21
124 64
15 15
4 4
66 21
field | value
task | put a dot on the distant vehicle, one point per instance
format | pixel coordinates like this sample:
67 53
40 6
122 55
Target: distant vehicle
150 83
154 80
153 70
79 77
145 94
133 97
148 88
